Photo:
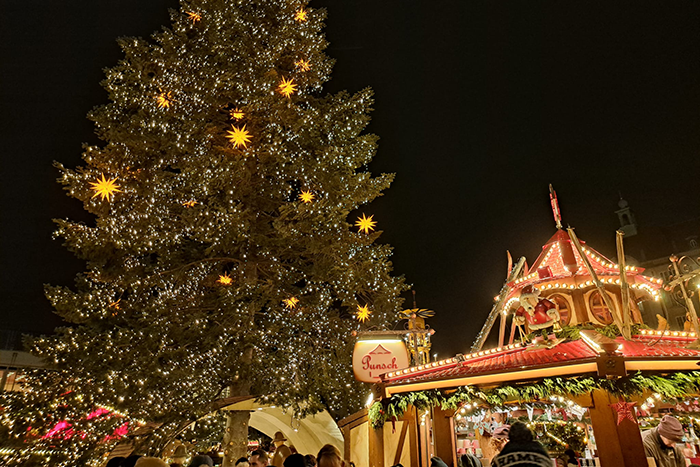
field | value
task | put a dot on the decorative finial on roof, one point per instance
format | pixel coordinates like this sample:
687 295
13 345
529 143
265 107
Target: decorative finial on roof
555 206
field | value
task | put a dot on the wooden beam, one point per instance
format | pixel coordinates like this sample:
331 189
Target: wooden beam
402 441
444 436
376 446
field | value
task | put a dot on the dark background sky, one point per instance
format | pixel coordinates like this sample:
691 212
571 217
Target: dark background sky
479 106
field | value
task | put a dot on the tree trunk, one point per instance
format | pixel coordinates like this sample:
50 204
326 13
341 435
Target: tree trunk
235 444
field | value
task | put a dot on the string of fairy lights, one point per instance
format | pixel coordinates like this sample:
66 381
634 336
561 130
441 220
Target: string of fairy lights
221 261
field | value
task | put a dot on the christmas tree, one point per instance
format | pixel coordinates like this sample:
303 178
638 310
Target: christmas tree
225 258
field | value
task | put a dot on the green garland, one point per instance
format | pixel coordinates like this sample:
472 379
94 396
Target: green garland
673 386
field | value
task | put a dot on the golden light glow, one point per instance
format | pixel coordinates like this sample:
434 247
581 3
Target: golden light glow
189 204
363 313
303 65
301 15
237 114
290 302
105 188
306 196
225 279
164 100
365 223
287 88
194 16
239 136
115 305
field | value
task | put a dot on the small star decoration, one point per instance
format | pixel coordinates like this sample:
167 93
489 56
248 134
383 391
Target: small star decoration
306 196
189 204
301 15
194 16
225 279
164 100
290 302
624 411
365 223
237 114
240 137
303 65
363 313
287 87
105 188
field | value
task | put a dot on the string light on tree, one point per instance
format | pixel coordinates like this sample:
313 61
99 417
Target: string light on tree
240 137
306 196
366 224
287 87
105 188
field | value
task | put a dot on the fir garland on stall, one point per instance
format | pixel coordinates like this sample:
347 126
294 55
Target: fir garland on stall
672 386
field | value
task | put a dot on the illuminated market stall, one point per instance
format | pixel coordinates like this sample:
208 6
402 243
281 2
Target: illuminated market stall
578 366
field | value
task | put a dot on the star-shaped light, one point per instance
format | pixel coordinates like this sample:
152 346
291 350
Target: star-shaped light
115 305
189 204
303 65
164 99
287 87
365 223
624 411
105 188
237 114
301 15
290 302
363 313
239 136
306 196
225 279
194 16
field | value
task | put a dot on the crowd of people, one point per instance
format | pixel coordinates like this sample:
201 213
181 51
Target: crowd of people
284 456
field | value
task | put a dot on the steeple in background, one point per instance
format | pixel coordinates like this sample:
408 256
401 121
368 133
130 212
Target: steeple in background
628 224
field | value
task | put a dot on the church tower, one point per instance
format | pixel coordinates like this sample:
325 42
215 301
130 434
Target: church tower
628 224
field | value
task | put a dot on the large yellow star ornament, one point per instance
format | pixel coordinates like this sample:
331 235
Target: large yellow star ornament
105 188
363 313
306 196
287 87
164 99
240 137
225 279
301 15
290 302
365 223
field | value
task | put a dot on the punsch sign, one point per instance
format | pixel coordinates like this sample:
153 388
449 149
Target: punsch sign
374 356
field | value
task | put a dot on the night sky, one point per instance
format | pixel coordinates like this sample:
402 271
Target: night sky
479 106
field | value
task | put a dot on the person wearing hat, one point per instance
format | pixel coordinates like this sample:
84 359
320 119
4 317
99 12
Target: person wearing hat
499 438
281 450
660 443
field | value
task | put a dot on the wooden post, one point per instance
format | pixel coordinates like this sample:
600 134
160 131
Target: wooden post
376 446
444 436
618 445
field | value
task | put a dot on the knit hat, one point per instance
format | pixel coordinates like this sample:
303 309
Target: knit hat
520 433
501 432
150 462
198 461
671 428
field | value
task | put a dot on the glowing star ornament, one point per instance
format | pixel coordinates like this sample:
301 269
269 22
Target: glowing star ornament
301 15
291 302
365 223
363 313
303 65
225 279
237 114
624 411
306 196
194 16
240 137
287 87
189 204
105 188
164 100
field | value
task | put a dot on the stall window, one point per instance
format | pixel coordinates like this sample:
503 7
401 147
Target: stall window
563 307
598 308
